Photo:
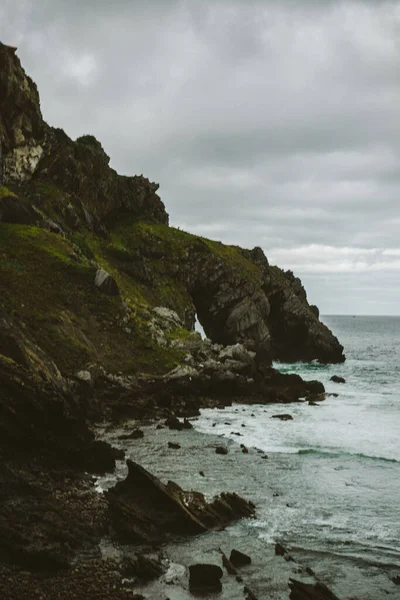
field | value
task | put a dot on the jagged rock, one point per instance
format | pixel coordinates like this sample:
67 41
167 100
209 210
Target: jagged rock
337 379
239 559
145 510
136 434
141 566
174 423
309 591
168 318
279 550
106 283
221 450
205 578
181 372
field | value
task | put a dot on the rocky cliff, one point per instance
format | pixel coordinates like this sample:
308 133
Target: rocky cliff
104 220
98 299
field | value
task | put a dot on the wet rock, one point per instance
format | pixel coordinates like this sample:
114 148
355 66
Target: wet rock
249 594
144 510
106 283
143 567
309 591
279 550
245 450
201 473
174 446
396 579
284 417
205 578
136 434
239 559
337 379
173 423
221 450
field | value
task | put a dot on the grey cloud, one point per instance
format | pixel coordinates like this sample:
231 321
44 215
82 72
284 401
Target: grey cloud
268 123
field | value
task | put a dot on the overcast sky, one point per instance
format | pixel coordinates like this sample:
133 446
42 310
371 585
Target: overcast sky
269 123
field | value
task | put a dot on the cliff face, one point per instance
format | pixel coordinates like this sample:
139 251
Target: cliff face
65 214
98 299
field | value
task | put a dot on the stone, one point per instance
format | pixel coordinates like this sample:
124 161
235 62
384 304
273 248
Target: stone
205 578
221 450
168 318
337 379
309 591
136 434
85 377
239 559
174 445
284 417
279 550
106 283
144 510
182 372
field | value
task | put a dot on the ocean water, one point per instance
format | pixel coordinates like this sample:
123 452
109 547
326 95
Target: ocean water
336 466
329 490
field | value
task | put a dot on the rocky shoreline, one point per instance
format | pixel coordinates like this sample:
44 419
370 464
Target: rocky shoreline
98 302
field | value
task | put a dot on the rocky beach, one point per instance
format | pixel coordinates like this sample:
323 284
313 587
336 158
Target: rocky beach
107 489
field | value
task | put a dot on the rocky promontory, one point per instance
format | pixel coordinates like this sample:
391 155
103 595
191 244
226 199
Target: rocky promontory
98 302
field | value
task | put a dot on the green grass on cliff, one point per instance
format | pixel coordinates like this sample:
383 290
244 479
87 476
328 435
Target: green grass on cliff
4 191
44 286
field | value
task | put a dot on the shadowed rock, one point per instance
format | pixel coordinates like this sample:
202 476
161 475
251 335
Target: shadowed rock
205 578
143 509
309 591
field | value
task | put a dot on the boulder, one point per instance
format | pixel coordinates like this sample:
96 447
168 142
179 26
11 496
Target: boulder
284 417
136 434
106 283
239 559
205 578
310 591
221 450
144 510
279 549
337 379
174 446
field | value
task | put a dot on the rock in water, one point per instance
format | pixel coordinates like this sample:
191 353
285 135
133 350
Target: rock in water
284 417
221 450
145 510
239 559
338 379
309 591
106 283
174 446
205 578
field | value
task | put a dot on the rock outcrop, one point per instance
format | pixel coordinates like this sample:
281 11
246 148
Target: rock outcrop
144 510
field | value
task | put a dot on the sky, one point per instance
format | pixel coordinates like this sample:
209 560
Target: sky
272 123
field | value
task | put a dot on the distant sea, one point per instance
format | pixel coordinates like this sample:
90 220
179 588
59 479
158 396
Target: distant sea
336 466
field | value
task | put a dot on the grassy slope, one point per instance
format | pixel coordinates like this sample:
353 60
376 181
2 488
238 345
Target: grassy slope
53 293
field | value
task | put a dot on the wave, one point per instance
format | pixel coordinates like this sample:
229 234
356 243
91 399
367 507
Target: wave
328 454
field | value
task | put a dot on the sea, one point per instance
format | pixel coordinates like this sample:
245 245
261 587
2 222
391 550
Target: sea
329 490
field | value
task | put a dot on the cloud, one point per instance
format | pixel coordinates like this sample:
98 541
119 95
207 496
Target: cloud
266 123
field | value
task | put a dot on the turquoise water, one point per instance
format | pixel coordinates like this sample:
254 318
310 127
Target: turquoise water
336 466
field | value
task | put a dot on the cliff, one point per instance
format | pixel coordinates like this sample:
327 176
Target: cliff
98 300
71 215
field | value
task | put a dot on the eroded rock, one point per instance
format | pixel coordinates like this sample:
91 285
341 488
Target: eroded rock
143 509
